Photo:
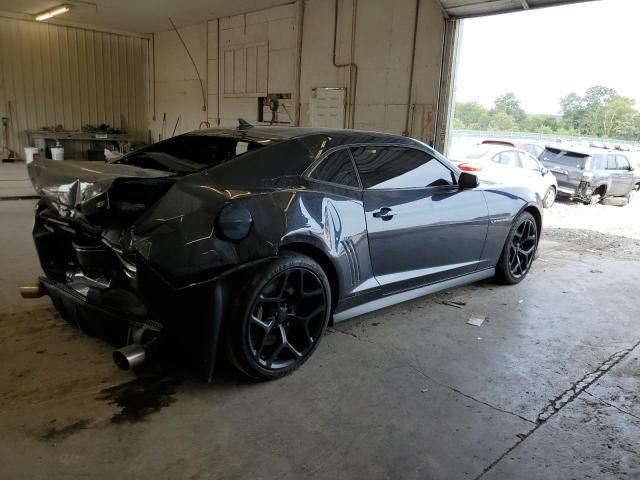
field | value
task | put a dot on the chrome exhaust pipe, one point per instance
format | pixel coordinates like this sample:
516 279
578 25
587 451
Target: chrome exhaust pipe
32 290
129 357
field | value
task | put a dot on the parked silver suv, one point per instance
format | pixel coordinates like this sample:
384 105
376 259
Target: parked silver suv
589 175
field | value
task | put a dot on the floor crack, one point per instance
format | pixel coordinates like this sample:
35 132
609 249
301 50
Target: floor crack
453 389
556 404
444 385
612 405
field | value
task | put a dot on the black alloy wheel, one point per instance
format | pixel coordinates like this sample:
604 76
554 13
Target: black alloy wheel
519 250
523 248
286 312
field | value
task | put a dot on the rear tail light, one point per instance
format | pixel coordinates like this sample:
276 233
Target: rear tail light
469 167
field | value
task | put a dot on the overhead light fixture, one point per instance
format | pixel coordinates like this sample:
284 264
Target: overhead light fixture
52 13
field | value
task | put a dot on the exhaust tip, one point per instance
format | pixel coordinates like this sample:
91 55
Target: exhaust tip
32 290
129 357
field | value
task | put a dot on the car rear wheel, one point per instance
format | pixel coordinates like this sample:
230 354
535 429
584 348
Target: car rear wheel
282 315
549 198
519 250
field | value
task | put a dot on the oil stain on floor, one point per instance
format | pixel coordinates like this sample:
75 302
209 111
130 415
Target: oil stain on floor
140 397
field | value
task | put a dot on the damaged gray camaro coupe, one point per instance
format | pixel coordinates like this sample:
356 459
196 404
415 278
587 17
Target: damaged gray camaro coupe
250 241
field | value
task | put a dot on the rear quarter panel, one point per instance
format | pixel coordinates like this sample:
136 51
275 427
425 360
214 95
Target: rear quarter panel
331 219
505 204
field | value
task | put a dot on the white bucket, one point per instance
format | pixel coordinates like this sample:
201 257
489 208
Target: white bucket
30 153
57 153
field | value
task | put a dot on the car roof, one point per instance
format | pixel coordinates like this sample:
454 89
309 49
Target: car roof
282 133
507 143
587 151
494 148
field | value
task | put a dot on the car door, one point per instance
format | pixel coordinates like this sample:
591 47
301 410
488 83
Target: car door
624 175
422 227
613 179
531 170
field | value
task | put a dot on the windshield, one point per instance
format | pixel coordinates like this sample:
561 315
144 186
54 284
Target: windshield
564 158
189 153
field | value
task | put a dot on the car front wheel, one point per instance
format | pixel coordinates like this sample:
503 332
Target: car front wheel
282 314
519 250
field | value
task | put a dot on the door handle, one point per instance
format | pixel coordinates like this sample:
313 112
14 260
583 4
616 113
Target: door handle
385 213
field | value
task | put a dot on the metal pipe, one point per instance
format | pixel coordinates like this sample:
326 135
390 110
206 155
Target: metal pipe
129 357
406 131
297 104
33 290
353 68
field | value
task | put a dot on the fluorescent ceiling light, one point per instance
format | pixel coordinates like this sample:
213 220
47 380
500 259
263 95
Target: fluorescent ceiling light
52 13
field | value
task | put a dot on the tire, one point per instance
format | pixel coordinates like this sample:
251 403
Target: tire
280 317
519 250
549 198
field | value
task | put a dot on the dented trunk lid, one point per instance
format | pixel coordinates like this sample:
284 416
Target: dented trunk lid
86 188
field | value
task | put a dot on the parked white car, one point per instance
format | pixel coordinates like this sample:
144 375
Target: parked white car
509 165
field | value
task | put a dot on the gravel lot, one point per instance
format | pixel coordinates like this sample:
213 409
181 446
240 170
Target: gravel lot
611 227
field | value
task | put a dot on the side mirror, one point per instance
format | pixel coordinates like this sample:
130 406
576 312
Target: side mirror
544 170
467 180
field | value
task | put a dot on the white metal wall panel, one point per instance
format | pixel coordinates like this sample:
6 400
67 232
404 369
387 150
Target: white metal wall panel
54 75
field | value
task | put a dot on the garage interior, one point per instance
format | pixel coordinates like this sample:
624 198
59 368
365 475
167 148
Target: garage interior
547 387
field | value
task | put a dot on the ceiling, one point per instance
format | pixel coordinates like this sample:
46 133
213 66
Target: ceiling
141 16
475 8
147 16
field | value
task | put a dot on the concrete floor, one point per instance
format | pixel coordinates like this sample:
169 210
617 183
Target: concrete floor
14 181
548 387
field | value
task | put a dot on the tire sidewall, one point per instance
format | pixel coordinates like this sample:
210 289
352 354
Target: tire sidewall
504 272
241 354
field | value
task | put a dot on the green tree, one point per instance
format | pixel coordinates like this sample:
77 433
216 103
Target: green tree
502 121
509 104
472 116
572 109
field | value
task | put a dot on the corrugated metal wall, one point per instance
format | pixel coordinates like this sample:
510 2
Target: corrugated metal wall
56 75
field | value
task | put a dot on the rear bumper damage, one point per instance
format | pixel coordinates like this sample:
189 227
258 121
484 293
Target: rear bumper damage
119 297
581 192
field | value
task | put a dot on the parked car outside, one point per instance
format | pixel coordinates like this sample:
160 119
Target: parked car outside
588 174
529 147
249 241
508 165
634 158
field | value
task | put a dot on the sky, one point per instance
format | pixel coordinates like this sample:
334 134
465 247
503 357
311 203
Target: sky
542 55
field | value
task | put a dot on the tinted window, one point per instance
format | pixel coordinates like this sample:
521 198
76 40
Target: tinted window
336 168
623 163
611 162
394 167
188 153
556 156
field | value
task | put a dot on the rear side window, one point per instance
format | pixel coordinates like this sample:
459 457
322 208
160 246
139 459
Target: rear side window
336 168
564 158
623 162
397 167
509 158
611 162
599 162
